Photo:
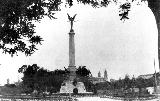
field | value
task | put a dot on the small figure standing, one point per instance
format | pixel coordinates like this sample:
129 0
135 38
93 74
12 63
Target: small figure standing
71 19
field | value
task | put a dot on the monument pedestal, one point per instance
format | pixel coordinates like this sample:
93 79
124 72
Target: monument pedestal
70 85
72 70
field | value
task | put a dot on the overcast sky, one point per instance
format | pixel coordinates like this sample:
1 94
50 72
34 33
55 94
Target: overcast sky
102 41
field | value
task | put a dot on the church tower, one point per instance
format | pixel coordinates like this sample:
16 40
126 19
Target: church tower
99 74
105 75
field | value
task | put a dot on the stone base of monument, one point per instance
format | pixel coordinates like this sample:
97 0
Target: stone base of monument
68 87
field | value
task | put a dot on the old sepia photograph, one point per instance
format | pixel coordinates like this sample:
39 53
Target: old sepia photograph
79 50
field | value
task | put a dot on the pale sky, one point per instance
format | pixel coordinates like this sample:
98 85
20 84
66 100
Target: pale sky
102 41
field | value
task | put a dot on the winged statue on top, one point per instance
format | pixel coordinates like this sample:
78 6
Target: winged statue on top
71 19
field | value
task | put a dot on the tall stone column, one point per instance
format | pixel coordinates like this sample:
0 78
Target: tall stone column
72 67
71 49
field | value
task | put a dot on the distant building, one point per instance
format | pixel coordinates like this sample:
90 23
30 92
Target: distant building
8 81
151 89
95 80
147 76
105 75
99 74
99 79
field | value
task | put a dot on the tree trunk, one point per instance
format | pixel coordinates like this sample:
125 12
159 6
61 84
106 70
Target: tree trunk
154 5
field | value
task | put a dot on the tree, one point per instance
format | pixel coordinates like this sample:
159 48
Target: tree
17 31
103 86
140 83
120 83
29 72
127 82
83 71
154 5
40 79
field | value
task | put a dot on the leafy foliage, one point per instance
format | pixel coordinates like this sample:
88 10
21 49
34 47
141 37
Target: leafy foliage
95 3
17 31
103 85
38 78
83 71
124 10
